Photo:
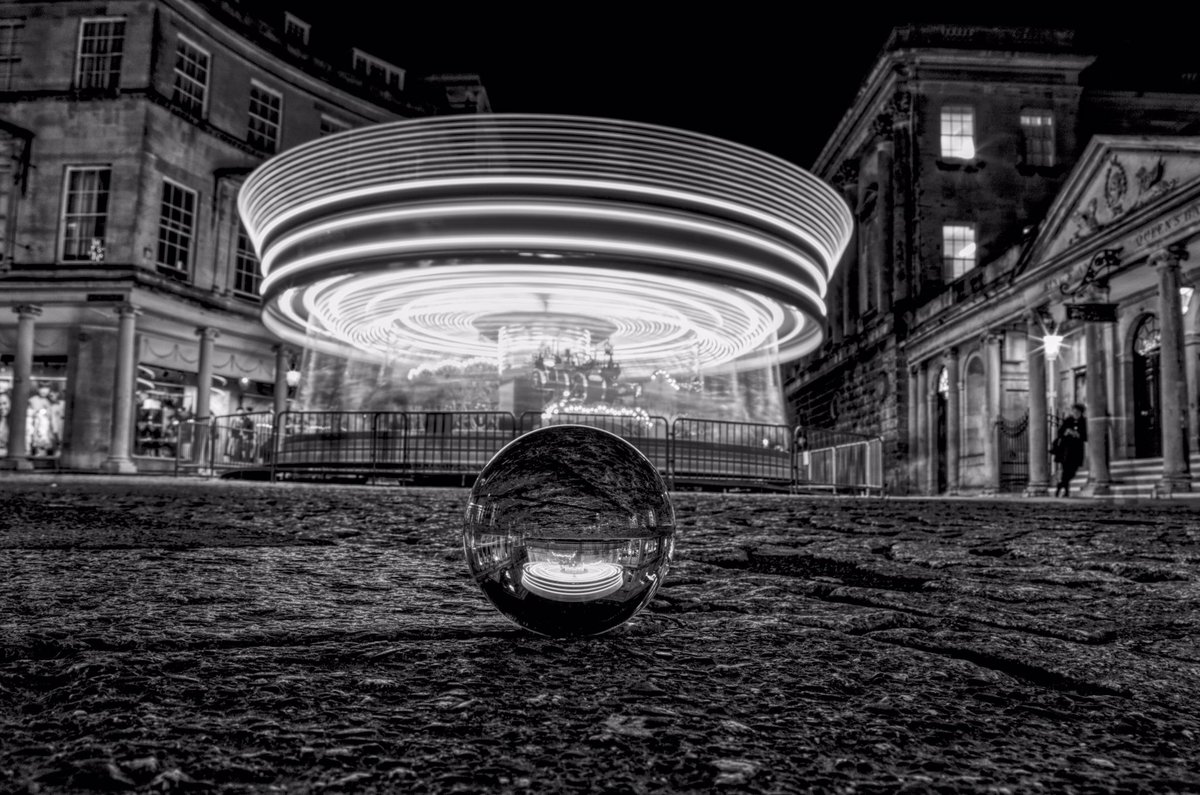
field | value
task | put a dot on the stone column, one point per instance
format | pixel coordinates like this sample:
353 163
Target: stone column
203 394
1176 476
204 372
281 384
953 418
914 440
931 440
991 440
1039 465
18 439
123 382
1191 369
1099 478
920 450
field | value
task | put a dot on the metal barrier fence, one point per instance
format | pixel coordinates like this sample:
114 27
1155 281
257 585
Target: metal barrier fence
650 434
837 460
432 445
710 451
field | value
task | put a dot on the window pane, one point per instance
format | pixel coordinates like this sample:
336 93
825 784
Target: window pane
85 214
175 227
1037 129
246 274
191 77
10 51
265 111
100 47
958 132
958 249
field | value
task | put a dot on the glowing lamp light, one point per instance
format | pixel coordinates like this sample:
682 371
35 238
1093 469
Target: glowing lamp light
1052 344
292 377
569 531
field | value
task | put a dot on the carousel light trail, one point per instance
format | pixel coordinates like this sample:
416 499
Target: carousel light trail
418 236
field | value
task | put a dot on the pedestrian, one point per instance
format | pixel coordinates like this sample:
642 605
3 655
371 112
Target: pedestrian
1067 448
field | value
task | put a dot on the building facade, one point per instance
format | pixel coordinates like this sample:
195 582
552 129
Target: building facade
128 287
971 157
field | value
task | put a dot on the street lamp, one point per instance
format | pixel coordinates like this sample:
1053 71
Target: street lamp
1052 344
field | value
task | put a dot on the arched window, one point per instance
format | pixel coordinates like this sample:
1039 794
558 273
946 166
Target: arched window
1148 338
975 420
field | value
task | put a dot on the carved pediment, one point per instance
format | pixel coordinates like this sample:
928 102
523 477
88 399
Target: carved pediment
1116 177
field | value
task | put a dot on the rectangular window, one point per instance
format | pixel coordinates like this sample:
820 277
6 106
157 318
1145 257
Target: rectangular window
266 109
176 223
958 249
1037 130
10 51
378 71
101 42
85 213
191 77
246 274
958 132
330 125
295 30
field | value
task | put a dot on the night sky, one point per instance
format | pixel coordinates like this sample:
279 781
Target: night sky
738 71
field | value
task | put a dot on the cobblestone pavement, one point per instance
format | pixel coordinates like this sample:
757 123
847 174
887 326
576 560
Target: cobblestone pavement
181 635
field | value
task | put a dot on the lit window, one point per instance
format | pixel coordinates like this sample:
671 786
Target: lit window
246 274
265 111
378 71
101 42
943 382
1037 128
295 30
176 222
330 125
958 249
85 213
191 76
958 132
10 52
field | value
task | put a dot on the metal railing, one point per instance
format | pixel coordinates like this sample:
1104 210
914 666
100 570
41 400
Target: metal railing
432 446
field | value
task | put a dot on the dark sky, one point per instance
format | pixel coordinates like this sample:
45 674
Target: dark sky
740 71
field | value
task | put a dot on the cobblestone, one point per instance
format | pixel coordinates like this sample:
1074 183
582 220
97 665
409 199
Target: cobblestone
190 636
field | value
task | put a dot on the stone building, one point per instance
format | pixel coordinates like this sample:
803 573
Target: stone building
128 289
971 157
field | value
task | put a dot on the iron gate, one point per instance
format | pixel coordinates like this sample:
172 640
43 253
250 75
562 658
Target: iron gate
1014 453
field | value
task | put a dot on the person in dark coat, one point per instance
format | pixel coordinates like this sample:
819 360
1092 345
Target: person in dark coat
1068 448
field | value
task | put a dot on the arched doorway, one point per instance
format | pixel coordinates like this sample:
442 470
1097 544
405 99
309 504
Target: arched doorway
943 400
1147 409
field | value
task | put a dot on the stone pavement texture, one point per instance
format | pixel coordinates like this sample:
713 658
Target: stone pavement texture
190 636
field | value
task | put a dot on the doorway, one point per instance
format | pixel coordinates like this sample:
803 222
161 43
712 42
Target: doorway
1147 408
943 400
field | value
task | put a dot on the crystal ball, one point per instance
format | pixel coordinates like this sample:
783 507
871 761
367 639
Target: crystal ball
569 531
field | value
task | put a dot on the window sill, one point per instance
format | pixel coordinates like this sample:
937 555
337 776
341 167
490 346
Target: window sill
966 166
1026 170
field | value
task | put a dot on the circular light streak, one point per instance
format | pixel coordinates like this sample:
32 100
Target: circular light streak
419 237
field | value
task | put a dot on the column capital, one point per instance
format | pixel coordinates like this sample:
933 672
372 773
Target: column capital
913 370
27 310
208 333
128 310
950 354
1169 256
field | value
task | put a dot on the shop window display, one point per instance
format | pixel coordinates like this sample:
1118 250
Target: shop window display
164 400
45 415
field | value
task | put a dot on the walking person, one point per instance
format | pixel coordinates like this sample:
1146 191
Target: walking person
1068 448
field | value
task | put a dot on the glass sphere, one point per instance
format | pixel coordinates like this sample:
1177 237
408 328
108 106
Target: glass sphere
569 530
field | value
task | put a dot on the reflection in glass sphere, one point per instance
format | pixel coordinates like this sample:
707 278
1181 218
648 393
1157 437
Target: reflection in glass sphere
569 530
